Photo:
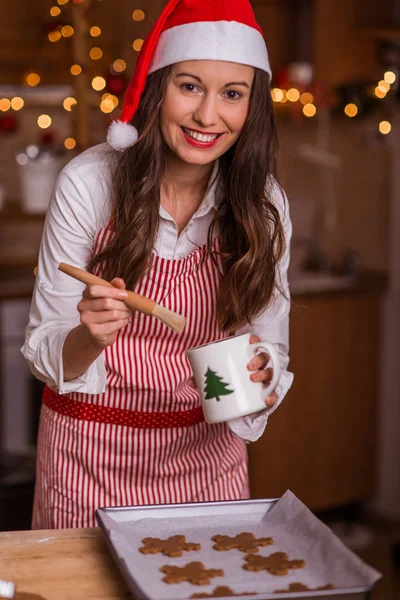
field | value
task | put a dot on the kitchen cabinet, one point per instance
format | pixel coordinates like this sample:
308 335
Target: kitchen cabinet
16 433
321 442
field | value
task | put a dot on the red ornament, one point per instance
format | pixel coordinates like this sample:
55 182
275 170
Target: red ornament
85 6
116 84
281 78
47 138
8 124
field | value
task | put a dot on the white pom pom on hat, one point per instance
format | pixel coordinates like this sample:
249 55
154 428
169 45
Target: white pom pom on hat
121 135
191 30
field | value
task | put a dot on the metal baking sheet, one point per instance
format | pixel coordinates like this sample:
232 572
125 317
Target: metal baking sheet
110 519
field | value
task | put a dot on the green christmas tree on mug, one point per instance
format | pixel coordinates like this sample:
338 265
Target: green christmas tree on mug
214 386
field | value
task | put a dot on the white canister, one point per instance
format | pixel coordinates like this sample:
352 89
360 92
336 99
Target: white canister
38 178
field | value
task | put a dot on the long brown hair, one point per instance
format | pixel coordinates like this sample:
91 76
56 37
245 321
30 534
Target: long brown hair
251 232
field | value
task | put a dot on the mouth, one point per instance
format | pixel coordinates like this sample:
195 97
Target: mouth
199 139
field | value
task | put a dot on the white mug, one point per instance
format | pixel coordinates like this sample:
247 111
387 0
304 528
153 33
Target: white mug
223 379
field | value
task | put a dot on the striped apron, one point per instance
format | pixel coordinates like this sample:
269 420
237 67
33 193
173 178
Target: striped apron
144 440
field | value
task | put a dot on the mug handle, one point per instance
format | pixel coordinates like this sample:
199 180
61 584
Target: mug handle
276 363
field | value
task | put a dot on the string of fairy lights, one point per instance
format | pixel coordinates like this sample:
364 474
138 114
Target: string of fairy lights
110 99
381 90
57 32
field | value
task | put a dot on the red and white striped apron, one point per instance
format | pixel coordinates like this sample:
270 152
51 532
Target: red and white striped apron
144 440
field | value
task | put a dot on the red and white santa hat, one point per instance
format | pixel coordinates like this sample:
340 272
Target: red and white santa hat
223 30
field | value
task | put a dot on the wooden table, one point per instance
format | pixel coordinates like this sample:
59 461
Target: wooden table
69 564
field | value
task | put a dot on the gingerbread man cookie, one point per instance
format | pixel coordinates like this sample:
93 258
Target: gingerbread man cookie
277 563
300 587
194 572
245 542
222 591
174 546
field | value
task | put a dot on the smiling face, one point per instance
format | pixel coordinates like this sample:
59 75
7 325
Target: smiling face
204 109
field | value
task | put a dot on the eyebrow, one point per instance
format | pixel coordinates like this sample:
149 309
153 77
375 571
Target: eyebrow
243 83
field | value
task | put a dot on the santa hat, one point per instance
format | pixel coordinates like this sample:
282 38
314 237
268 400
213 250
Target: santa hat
223 30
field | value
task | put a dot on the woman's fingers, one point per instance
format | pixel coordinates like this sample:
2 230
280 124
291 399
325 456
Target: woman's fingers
106 334
101 304
119 283
258 362
106 316
101 291
101 331
264 375
272 399
103 311
101 299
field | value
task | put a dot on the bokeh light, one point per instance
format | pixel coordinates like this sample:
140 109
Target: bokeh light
385 127
95 53
69 103
277 94
76 69
309 109
293 95
306 98
95 32
137 44
67 31
390 77
44 121
351 109
5 104
17 103
32 79
54 36
138 15
98 83
119 65
70 143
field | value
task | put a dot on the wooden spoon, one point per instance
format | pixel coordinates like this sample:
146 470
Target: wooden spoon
133 301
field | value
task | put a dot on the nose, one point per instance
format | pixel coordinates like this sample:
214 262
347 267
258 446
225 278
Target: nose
206 113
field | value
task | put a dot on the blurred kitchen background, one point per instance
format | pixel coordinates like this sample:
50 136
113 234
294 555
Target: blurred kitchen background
64 65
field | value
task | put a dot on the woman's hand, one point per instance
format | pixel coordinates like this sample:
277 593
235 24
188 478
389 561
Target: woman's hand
260 373
103 313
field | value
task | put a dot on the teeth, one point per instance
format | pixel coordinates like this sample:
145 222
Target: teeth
200 137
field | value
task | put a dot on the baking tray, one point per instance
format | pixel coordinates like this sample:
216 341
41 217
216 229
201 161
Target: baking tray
109 517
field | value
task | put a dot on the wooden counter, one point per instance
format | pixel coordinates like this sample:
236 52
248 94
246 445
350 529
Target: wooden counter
60 565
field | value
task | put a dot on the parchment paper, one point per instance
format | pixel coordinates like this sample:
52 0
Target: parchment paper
294 529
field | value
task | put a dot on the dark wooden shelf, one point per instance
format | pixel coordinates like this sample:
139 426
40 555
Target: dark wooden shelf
389 34
366 282
13 211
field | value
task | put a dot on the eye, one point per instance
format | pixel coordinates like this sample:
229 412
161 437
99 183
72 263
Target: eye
189 87
233 95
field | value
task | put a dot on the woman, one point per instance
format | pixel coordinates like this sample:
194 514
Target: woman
190 215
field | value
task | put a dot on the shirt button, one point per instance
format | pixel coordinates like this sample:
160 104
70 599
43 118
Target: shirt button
181 256
43 285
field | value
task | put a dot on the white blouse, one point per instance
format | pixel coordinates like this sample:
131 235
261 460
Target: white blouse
79 208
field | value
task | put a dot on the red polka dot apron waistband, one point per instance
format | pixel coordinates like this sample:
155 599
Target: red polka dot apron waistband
119 416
